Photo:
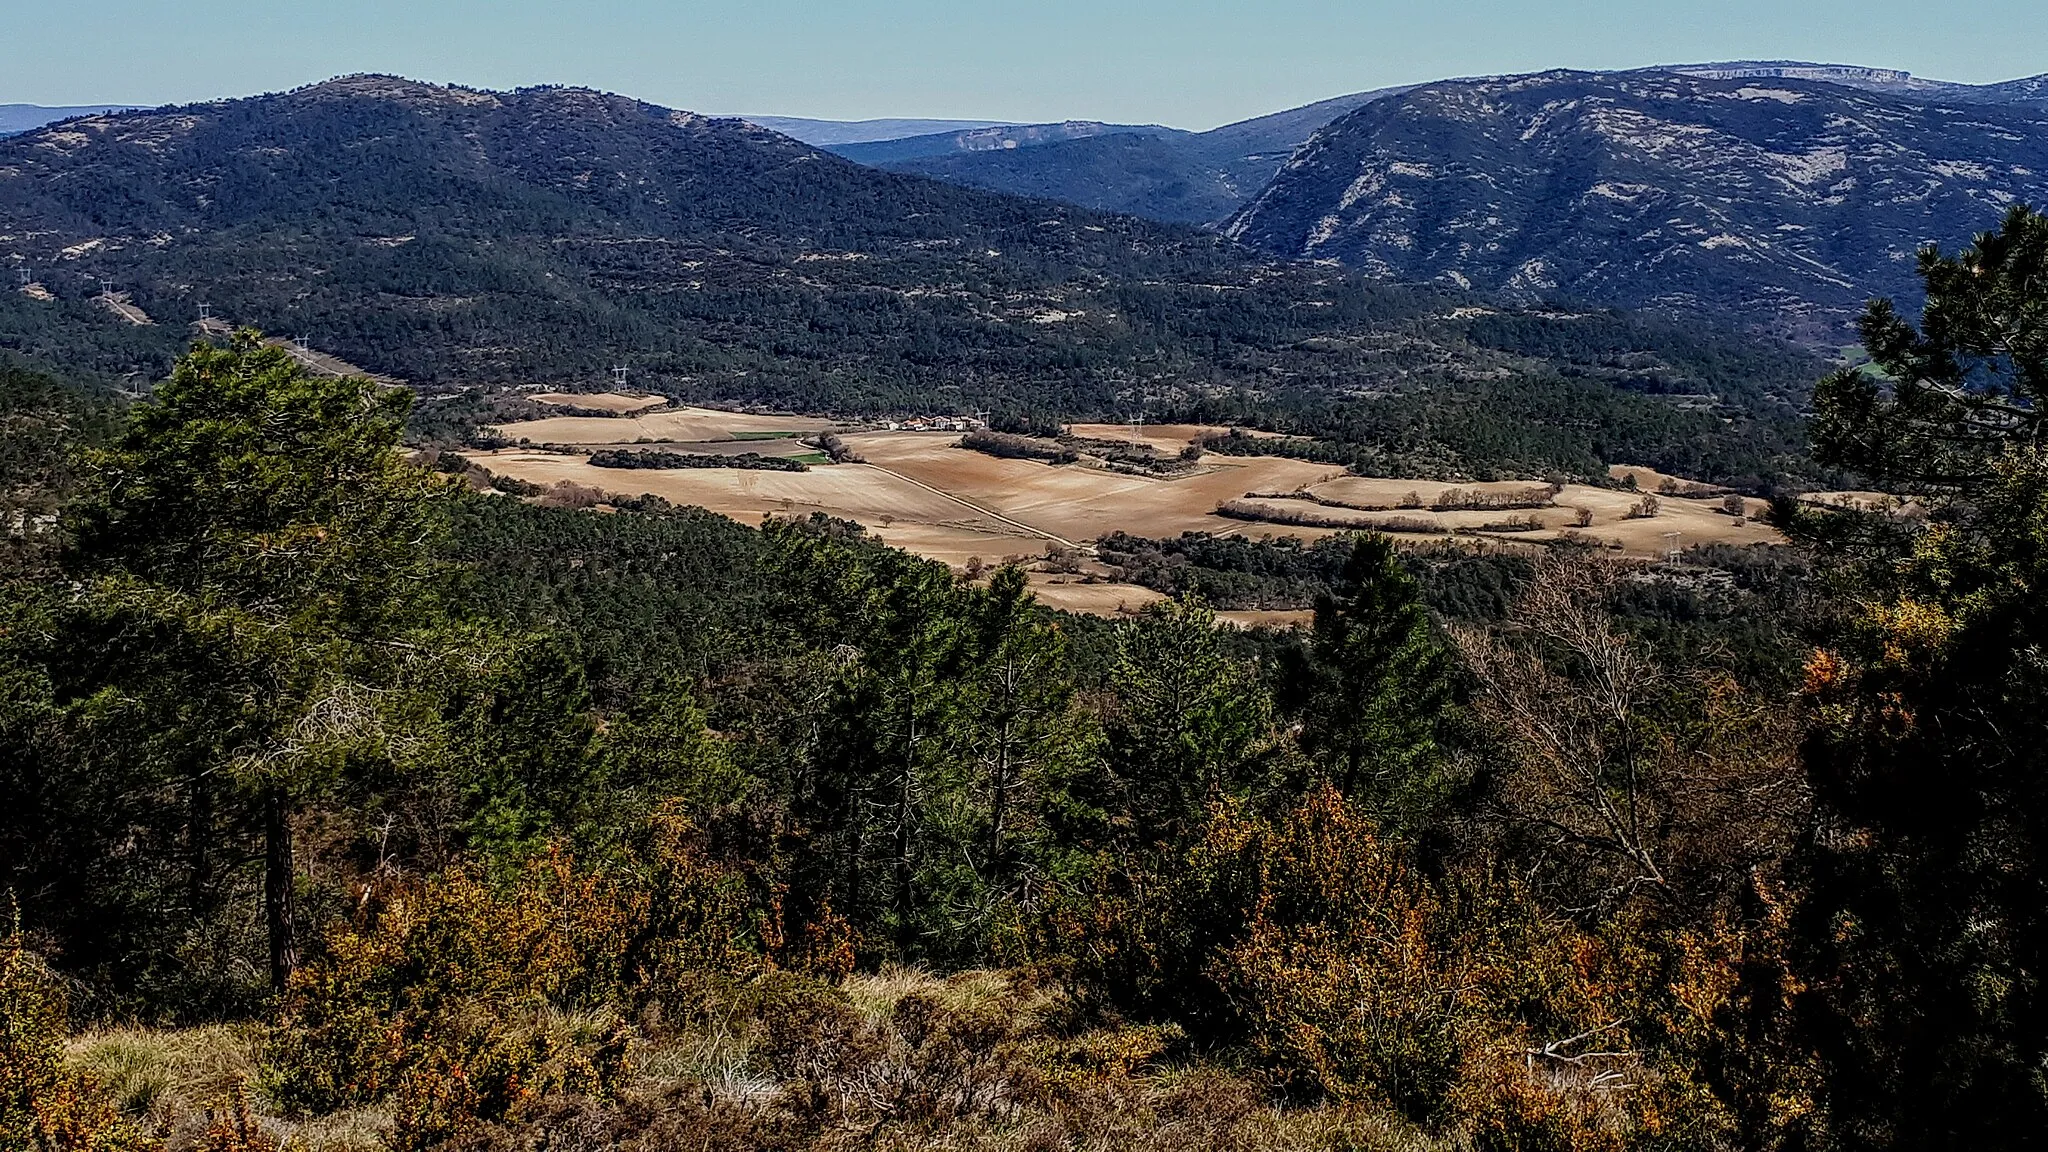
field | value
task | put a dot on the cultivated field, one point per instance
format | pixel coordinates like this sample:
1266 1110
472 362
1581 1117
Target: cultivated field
1102 598
784 446
1866 500
1679 522
1078 503
922 492
683 424
905 514
599 401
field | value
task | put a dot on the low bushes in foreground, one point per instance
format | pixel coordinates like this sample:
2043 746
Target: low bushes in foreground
1281 982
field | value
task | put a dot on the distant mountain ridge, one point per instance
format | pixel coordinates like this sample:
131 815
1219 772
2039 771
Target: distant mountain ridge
1144 170
439 233
1776 201
1206 177
825 133
16 118
1889 81
988 138
465 239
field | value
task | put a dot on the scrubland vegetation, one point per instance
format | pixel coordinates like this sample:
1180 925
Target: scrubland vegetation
344 807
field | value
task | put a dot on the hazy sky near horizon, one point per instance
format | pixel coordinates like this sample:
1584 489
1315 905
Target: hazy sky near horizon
1189 63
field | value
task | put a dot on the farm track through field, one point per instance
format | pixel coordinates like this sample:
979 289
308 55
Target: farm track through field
976 508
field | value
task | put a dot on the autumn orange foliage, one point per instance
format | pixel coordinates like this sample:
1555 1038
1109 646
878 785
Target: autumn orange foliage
44 1105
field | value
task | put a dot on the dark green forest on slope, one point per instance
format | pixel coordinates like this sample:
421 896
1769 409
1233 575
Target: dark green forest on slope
342 807
462 239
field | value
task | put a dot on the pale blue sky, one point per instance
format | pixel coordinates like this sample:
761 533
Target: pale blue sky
1191 63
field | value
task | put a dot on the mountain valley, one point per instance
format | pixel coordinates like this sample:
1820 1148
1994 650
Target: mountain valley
1445 619
457 238
1765 193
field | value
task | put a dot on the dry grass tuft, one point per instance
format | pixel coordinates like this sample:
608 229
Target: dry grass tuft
356 1130
982 1060
876 995
159 1075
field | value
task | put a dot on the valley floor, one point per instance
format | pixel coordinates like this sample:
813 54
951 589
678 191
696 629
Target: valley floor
922 492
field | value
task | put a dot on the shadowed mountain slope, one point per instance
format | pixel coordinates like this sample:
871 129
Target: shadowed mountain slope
825 133
1774 201
25 117
1159 173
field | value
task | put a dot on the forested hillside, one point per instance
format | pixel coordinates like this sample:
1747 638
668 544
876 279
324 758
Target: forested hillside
995 138
23 117
345 807
453 238
1160 174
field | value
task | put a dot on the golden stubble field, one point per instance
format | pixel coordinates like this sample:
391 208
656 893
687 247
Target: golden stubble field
683 424
599 401
902 513
1679 523
921 492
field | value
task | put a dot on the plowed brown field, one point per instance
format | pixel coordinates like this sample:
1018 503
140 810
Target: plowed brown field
601 401
1080 503
922 492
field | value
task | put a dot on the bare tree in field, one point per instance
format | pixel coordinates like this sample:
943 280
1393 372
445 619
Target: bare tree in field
1620 778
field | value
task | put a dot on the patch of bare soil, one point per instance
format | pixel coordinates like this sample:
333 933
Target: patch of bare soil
121 306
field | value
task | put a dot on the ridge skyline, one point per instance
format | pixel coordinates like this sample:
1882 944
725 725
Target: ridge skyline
828 131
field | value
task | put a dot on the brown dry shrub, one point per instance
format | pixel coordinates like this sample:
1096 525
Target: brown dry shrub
462 1000
1623 780
681 1118
1345 979
931 1060
569 494
1511 1106
1347 976
44 1104
232 1126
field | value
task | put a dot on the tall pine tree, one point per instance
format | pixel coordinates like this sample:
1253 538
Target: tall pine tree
1925 934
